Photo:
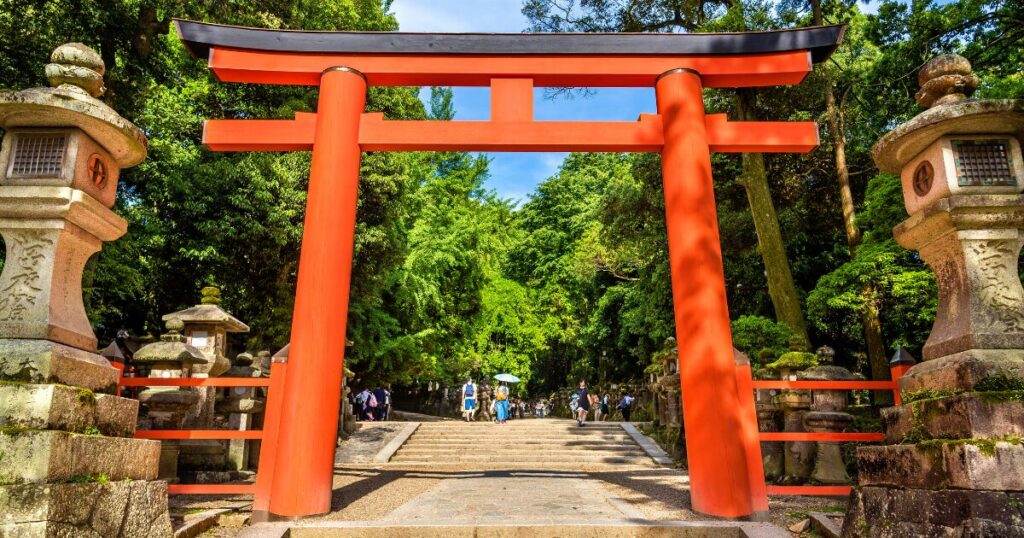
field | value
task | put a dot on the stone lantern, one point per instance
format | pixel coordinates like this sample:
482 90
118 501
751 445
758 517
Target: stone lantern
952 450
206 328
171 357
66 439
828 415
240 404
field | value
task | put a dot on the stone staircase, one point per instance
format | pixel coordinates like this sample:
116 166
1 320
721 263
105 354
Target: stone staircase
541 443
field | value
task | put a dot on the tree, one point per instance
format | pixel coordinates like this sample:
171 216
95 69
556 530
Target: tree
667 15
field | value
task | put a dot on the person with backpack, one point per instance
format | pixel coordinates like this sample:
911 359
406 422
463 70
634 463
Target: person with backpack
626 406
380 395
366 405
582 398
469 397
605 406
501 402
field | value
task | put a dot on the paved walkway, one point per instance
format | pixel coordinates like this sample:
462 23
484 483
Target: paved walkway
374 499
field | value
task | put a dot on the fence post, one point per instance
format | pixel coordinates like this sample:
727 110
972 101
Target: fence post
901 361
268 444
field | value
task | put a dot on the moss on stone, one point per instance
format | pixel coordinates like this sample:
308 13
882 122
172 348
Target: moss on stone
86 397
794 360
986 446
13 429
90 478
999 383
929 394
998 396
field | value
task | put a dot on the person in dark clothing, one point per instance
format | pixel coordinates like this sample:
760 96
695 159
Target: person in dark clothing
582 396
381 396
626 406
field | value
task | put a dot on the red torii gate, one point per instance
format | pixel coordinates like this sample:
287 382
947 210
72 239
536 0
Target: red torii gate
721 427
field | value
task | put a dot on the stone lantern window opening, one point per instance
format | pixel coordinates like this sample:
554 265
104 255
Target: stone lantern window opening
924 176
983 163
38 154
97 171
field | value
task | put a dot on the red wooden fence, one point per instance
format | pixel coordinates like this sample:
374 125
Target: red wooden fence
274 385
743 373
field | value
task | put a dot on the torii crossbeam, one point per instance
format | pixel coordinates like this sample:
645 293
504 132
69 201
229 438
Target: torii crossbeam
722 447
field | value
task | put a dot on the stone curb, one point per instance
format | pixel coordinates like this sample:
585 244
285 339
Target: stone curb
650 447
197 524
824 524
394 444
610 529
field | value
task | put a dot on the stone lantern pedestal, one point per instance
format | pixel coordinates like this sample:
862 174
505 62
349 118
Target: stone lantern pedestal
241 404
68 463
166 407
798 456
828 415
954 462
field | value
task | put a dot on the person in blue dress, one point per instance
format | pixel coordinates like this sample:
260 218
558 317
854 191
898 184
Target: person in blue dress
501 402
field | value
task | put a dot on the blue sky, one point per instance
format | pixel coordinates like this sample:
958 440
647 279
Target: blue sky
514 175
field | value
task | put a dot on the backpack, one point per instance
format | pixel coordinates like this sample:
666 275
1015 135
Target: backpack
373 400
501 394
574 403
469 390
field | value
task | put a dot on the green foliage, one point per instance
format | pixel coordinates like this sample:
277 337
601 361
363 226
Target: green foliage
448 278
754 335
883 276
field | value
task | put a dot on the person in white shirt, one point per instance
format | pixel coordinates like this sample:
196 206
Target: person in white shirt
469 398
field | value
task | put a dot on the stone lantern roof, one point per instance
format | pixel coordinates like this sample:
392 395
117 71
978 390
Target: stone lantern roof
946 85
170 348
76 72
209 311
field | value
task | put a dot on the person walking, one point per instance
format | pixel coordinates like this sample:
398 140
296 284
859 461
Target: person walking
605 405
469 396
582 398
380 395
626 406
501 403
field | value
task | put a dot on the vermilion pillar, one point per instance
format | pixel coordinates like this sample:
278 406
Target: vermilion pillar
716 454
309 412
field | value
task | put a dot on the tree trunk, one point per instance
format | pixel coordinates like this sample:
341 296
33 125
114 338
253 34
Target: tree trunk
781 287
872 324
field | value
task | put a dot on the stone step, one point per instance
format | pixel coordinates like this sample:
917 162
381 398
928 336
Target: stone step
516 458
523 433
55 456
500 454
581 528
569 426
60 407
527 445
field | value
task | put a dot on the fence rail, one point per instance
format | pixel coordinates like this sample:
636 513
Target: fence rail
274 384
745 379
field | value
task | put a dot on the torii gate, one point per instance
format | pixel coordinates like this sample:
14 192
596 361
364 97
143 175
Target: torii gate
721 427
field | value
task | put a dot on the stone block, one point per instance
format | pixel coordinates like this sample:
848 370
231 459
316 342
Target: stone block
963 371
877 512
941 464
42 361
60 407
203 455
127 509
55 456
961 416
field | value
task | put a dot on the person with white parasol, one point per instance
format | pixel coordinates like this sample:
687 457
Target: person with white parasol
501 396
